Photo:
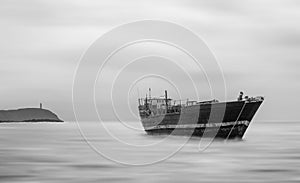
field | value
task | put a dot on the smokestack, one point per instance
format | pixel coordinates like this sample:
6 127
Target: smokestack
149 93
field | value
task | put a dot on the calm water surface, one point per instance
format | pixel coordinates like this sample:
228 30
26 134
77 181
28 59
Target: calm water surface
43 152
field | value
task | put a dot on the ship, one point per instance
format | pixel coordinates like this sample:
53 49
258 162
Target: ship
226 120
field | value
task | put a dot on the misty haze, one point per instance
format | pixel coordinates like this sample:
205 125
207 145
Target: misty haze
149 91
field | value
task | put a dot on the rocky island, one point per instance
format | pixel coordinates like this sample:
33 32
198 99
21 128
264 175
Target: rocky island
28 115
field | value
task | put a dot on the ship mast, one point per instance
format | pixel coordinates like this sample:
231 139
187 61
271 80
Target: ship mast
138 92
166 99
146 102
150 101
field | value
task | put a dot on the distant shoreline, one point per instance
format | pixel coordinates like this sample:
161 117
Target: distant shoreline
34 121
28 115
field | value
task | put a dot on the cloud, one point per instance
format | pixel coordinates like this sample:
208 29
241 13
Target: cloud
256 43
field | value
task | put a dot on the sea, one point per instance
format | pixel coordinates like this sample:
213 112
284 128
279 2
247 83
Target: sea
119 152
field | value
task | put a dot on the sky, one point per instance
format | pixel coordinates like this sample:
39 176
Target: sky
256 43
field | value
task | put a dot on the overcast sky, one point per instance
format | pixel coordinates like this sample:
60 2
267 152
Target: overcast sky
257 44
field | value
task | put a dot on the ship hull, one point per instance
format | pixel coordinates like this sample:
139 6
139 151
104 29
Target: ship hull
228 131
222 120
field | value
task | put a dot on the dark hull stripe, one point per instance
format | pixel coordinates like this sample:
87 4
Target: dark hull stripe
225 132
198 125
